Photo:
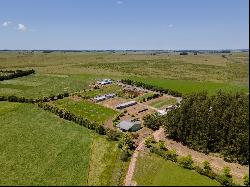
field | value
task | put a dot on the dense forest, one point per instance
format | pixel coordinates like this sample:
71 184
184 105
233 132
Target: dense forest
218 123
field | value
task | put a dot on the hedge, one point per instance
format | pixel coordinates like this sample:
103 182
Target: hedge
15 74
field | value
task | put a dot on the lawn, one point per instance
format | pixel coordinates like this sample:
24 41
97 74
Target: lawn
38 148
162 102
153 170
87 109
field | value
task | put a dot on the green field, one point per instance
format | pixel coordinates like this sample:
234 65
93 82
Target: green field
153 170
189 86
163 102
87 109
38 148
40 85
56 72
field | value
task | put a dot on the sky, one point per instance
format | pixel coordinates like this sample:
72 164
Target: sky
124 24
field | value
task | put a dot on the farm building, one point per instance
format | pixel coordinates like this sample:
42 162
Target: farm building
161 112
104 97
105 81
128 125
127 104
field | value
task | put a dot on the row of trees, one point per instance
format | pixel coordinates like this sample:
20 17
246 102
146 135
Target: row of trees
13 98
67 115
151 87
218 123
150 97
15 74
187 162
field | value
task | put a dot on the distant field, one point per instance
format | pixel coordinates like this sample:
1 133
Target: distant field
38 85
162 102
153 170
188 86
38 148
189 73
91 111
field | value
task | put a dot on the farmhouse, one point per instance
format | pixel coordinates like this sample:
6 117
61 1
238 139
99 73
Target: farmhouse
105 81
128 125
104 97
127 104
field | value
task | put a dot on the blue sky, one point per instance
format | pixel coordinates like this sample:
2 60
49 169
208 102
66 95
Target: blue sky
124 24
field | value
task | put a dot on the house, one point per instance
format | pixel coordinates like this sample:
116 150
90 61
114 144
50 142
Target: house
129 125
127 104
105 81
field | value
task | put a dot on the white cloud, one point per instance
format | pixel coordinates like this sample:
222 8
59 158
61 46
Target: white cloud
21 27
119 2
6 23
170 25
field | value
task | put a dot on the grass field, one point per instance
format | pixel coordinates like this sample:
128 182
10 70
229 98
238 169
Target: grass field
39 85
162 102
91 111
153 170
189 86
144 96
186 74
38 148
106 167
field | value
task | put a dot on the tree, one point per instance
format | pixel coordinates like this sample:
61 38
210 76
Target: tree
126 142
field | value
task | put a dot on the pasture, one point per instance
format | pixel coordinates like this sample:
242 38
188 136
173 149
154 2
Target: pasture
87 109
38 148
153 170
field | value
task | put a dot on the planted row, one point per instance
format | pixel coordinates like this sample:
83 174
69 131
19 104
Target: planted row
15 74
151 87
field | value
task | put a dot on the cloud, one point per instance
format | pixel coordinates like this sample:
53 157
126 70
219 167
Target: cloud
6 23
119 2
170 25
21 27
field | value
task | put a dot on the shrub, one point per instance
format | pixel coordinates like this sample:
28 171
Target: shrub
171 155
112 134
161 145
125 155
246 180
149 141
126 142
186 162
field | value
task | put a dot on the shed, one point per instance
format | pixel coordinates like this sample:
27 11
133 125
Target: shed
128 125
127 104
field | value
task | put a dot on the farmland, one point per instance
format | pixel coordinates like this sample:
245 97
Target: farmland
91 111
38 148
153 170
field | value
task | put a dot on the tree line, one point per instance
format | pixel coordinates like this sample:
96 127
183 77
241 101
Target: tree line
187 162
152 87
218 123
15 74
13 98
